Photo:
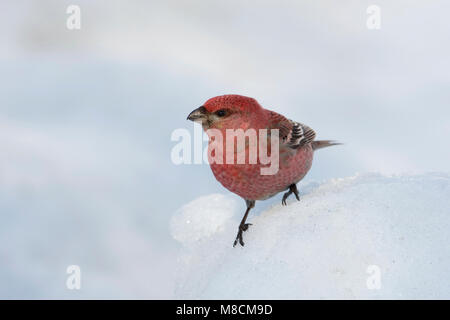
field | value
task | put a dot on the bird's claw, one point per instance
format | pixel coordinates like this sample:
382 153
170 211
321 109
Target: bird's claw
242 228
245 226
292 190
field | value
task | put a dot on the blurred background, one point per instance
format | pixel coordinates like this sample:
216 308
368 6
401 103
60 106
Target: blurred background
86 118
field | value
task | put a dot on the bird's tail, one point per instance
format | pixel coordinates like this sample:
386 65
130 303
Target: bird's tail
323 144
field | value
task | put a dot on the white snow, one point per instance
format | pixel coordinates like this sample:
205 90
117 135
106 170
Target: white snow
325 246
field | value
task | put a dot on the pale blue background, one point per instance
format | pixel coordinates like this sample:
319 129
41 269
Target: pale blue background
86 118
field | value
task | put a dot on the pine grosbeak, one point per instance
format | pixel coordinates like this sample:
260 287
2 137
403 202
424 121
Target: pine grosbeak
296 147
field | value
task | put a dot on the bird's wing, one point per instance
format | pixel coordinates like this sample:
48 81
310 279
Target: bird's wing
292 134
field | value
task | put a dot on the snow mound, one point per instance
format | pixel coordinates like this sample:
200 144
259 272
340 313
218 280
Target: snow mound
203 218
368 236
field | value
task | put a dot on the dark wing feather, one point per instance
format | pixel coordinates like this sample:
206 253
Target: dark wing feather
300 135
292 134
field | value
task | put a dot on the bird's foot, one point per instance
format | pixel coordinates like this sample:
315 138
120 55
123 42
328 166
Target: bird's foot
292 190
285 196
242 228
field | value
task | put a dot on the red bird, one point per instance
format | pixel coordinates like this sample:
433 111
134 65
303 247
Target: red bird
296 147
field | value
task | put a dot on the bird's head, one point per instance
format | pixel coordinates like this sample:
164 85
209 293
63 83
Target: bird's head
227 112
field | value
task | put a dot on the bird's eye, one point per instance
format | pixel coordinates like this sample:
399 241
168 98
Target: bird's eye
221 113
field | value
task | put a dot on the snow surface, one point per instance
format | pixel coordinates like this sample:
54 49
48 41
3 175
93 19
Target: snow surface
323 246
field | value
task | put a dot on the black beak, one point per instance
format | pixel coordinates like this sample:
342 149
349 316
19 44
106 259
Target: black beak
197 114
